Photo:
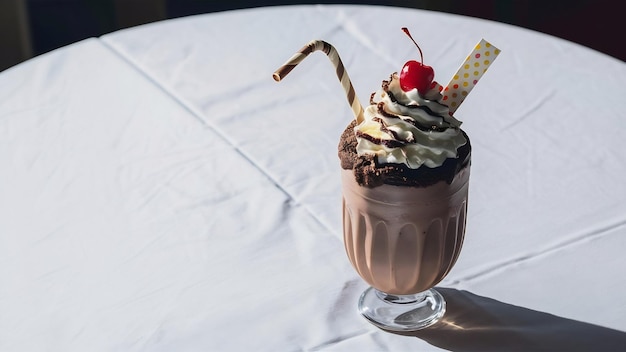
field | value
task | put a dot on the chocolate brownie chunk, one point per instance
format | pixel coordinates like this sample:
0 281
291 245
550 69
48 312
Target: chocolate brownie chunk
368 172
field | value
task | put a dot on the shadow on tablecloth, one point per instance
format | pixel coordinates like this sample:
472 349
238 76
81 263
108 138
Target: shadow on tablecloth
476 323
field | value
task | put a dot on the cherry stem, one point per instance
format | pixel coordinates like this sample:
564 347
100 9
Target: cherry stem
406 31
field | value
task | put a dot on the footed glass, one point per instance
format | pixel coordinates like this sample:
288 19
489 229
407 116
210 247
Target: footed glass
403 241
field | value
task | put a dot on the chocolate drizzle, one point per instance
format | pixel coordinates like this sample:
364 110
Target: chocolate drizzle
390 143
440 126
381 110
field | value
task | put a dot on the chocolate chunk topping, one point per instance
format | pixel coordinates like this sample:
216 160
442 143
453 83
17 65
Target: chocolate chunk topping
368 172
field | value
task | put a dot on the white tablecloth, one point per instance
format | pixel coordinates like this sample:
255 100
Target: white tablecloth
160 192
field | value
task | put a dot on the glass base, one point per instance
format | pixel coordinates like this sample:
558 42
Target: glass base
402 312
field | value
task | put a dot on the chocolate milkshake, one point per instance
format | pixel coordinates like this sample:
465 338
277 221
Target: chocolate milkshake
405 170
405 182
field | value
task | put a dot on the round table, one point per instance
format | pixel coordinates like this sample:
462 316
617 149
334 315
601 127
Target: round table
160 192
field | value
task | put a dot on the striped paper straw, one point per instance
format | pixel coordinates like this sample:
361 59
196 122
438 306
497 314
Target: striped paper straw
469 73
332 54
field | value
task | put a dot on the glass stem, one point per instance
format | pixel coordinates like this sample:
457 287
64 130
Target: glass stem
401 299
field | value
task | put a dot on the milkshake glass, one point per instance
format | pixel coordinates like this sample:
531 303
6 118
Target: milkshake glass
403 241
405 171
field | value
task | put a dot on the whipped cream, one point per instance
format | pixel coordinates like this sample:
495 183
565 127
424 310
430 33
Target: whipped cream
407 128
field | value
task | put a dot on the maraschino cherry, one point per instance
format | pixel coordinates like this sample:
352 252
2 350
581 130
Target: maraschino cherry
415 74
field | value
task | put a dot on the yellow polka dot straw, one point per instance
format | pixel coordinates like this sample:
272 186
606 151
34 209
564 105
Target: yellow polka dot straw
469 73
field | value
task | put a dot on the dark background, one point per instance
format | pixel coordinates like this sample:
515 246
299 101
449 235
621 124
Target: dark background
32 27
